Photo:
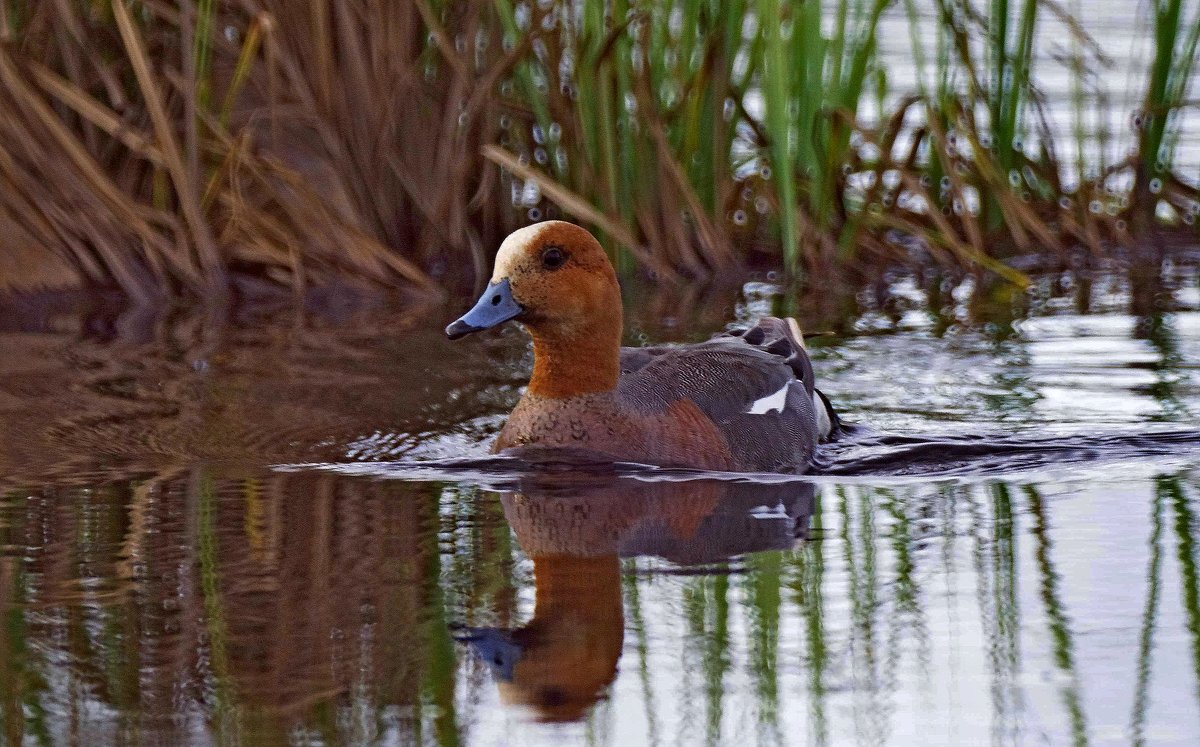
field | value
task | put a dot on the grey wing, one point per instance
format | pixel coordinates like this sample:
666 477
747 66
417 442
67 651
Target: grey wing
770 334
756 386
723 378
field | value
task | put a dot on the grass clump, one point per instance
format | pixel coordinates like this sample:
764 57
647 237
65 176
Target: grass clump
178 150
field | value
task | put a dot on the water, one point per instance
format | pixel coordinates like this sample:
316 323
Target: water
269 530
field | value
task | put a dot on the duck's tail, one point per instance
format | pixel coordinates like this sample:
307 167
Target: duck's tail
829 424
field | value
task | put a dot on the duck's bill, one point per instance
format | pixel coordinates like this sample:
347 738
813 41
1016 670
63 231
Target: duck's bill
494 307
496 647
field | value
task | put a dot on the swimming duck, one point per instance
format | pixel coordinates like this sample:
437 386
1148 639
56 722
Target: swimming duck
739 402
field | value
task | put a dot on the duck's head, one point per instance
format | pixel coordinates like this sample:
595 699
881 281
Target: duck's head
561 661
554 278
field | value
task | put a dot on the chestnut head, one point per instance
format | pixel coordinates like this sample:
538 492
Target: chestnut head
553 277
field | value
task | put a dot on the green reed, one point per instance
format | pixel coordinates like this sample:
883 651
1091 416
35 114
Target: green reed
202 33
1176 34
1010 52
628 114
812 87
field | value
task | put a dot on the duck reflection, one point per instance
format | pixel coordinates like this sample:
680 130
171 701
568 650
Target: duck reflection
576 531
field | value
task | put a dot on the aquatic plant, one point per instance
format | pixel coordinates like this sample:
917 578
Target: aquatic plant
1175 43
200 150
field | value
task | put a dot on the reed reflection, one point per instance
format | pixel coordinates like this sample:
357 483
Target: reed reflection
560 663
246 606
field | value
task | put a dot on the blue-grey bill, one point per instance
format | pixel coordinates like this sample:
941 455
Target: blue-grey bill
494 307
496 647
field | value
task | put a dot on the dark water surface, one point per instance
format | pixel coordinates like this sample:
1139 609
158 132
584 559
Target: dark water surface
1006 554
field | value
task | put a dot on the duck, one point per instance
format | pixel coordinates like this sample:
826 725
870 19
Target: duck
743 401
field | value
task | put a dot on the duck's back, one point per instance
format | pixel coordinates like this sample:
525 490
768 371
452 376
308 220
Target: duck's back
756 387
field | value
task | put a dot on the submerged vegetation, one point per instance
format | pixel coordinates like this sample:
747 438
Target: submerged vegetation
181 149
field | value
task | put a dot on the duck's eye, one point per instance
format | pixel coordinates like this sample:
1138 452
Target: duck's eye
553 257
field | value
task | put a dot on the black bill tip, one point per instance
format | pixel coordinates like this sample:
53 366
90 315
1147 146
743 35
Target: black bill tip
459 328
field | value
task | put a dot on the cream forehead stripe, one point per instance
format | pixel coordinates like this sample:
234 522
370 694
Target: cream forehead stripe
512 248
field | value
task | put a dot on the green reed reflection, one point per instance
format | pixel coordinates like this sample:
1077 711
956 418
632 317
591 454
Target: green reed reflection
440 678
1060 629
1186 528
1141 700
1149 302
763 600
696 609
636 624
994 556
223 709
908 616
860 535
808 596
22 712
716 654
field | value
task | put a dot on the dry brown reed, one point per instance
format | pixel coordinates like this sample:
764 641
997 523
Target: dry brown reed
312 141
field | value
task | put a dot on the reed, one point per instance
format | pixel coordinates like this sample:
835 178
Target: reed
199 150
1174 48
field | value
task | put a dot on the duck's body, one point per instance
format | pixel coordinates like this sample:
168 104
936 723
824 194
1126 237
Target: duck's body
737 402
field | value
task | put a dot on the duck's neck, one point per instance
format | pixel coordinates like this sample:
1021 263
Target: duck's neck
571 365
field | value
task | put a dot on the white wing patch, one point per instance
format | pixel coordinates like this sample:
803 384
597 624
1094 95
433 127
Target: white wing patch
777 401
772 402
